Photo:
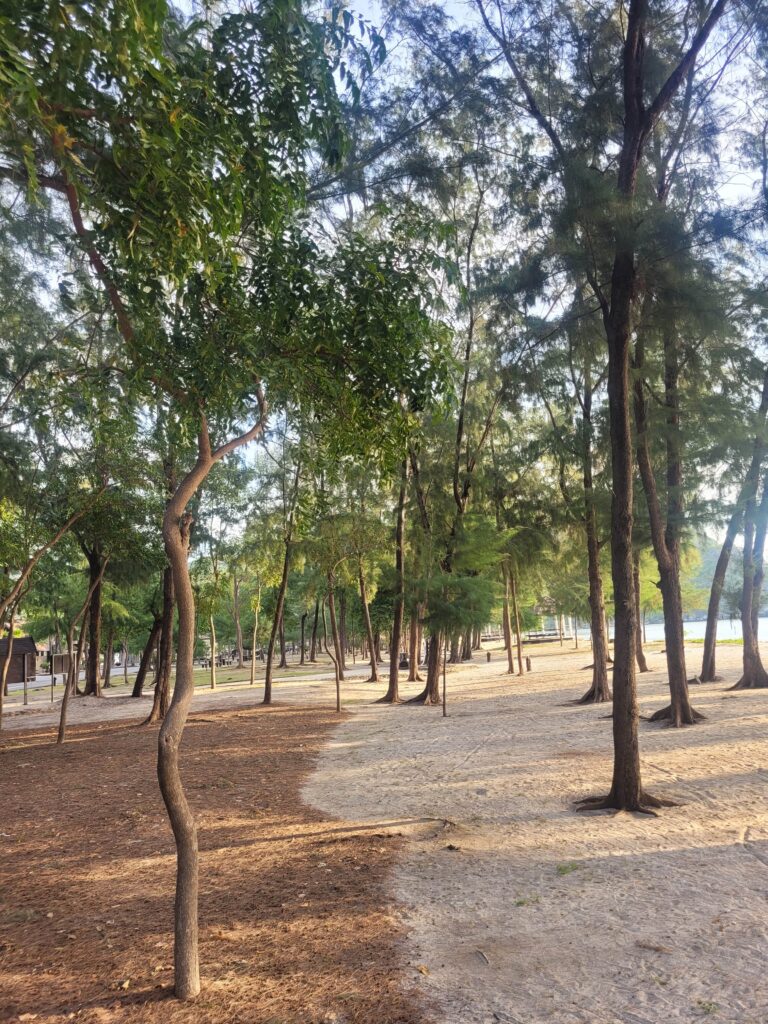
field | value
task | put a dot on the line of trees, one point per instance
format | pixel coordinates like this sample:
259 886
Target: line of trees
483 293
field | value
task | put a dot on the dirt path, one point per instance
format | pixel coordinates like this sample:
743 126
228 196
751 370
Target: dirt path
295 922
523 911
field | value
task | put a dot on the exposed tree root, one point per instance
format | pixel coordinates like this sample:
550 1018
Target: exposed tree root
694 681
595 695
666 715
647 804
386 699
759 682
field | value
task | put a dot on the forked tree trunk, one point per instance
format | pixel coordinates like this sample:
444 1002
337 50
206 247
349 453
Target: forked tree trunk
161 696
177 523
642 664
146 657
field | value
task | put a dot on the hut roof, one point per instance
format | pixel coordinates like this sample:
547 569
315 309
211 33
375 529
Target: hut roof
21 645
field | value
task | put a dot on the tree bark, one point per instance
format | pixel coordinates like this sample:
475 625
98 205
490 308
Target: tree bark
236 617
177 523
600 690
109 654
334 630
331 655
518 632
708 672
392 696
374 676
642 664
212 634
146 656
666 535
161 696
413 647
313 640
279 605
754 676
92 666
506 621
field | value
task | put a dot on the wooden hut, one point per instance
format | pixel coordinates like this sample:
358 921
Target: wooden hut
23 666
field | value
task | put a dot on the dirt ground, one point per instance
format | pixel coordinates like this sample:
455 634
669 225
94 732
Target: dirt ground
523 911
296 924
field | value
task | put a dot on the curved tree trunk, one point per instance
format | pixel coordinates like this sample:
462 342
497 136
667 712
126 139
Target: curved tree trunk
177 523
146 656
332 655
334 631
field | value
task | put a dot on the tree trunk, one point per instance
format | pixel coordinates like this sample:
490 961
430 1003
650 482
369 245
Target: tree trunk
755 523
506 621
374 676
160 700
283 663
334 631
212 633
6 661
302 659
279 605
333 656
92 666
642 664
708 669
666 535
518 632
313 640
109 655
343 629
413 647
236 617
392 696
146 655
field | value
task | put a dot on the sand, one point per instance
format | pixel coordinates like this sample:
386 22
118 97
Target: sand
520 910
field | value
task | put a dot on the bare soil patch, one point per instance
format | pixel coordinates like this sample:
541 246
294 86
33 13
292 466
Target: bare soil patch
295 921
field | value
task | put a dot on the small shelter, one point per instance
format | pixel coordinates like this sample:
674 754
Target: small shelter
23 666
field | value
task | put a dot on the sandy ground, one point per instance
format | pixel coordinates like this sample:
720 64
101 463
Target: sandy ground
521 910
